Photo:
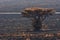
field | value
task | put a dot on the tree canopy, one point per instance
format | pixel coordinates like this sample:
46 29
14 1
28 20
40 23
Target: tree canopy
36 10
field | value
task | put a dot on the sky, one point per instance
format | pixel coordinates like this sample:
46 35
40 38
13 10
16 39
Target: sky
17 5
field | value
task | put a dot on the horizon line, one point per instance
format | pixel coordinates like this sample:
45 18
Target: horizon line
18 13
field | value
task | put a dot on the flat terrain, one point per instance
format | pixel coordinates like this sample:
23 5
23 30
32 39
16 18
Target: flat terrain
14 23
11 23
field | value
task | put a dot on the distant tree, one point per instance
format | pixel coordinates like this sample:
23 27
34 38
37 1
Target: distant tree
38 15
